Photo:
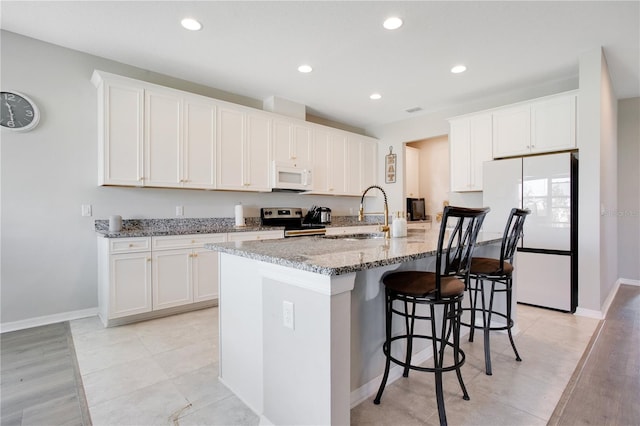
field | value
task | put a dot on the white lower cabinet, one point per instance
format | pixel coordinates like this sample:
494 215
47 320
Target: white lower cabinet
124 276
142 275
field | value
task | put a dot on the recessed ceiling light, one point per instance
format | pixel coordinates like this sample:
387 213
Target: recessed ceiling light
191 24
458 69
305 68
375 96
392 23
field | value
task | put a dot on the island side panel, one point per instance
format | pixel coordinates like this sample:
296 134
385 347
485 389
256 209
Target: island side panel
240 347
307 378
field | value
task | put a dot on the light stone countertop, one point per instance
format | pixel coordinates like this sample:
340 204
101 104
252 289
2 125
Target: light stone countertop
336 255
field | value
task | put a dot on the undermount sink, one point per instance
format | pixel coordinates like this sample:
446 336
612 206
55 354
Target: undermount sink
355 237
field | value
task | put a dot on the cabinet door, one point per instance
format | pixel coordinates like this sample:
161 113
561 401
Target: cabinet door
336 167
512 131
171 278
320 171
130 284
163 139
204 274
230 149
412 171
553 124
258 158
460 154
302 144
368 167
198 165
282 137
480 147
121 144
352 171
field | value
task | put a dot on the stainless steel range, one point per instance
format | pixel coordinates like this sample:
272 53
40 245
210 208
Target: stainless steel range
291 219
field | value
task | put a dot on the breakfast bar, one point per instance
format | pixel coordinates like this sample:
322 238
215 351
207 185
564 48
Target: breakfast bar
302 320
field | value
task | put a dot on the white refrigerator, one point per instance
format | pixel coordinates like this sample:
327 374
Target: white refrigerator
546 261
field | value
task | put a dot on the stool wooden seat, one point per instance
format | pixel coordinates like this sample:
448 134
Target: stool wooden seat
499 272
441 293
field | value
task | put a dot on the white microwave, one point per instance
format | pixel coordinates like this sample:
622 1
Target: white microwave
289 176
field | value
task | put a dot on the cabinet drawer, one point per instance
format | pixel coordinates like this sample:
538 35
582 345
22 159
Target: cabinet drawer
186 241
129 245
255 236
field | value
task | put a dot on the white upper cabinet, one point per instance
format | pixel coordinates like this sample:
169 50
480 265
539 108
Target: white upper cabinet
155 136
543 125
512 131
469 147
553 124
199 147
368 165
292 143
243 156
163 139
120 138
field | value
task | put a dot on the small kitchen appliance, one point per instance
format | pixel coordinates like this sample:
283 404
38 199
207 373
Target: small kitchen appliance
318 216
291 219
415 209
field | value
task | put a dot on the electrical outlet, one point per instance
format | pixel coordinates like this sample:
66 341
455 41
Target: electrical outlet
287 314
179 210
86 210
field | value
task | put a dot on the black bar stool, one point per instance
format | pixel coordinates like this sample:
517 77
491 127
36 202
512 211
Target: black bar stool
443 289
499 272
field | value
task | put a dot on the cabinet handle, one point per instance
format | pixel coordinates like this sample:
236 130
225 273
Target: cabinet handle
148 259
130 244
195 254
193 241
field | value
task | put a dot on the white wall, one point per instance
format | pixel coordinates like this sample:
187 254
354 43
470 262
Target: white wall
628 212
48 251
597 240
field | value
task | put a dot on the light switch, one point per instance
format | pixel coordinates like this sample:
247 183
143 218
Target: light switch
86 210
179 210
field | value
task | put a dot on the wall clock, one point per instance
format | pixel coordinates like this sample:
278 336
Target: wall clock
18 112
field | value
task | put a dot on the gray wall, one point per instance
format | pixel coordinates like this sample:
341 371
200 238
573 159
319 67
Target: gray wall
48 251
628 212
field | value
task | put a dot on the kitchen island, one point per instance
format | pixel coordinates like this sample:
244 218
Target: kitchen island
302 320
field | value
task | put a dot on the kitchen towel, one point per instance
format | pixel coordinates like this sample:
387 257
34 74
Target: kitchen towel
239 215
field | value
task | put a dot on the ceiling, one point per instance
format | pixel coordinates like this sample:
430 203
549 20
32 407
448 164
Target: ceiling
253 49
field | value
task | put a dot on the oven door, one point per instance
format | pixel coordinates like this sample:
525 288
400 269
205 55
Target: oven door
292 176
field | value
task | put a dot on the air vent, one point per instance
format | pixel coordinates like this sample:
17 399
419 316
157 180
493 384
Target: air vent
414 109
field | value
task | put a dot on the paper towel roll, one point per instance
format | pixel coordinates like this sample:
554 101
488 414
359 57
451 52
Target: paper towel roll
239 215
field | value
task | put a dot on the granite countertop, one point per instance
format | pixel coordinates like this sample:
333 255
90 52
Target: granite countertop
336 255
187 226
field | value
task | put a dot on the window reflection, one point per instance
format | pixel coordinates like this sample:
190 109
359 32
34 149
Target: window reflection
549 199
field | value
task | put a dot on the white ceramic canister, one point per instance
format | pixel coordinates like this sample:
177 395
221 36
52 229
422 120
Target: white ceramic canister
399 226
115 223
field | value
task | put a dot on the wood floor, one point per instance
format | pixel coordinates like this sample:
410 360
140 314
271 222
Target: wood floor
40 381
604 388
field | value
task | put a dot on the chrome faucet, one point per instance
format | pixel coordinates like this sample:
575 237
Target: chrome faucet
384 228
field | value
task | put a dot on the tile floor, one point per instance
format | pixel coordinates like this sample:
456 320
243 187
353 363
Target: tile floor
164 372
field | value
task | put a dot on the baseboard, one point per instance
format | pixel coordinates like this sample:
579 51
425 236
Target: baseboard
629 282
48 319
371 387
601 314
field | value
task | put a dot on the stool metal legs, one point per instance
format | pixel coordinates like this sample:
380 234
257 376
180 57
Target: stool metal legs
443 337
487 312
